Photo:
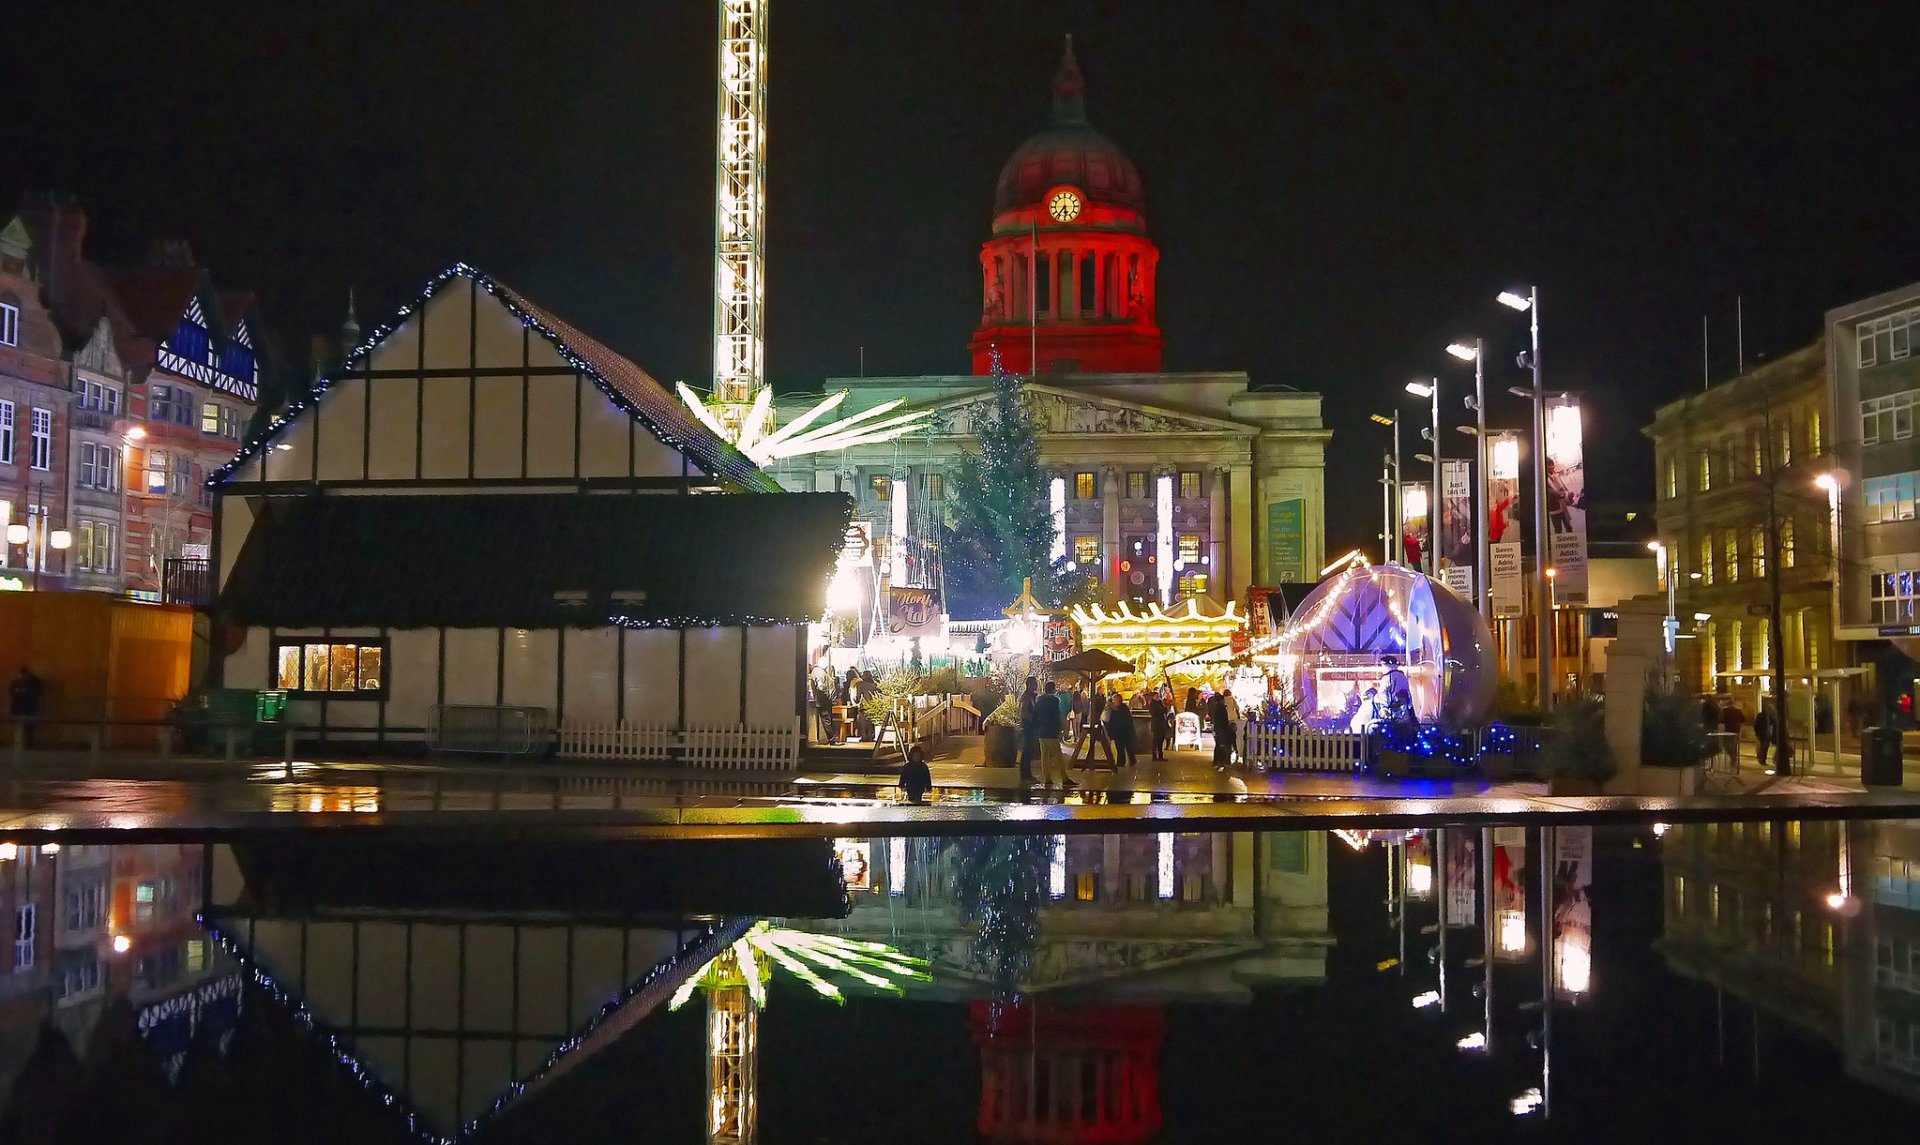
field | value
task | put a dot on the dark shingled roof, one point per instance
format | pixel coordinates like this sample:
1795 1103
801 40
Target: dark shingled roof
629 387
497 560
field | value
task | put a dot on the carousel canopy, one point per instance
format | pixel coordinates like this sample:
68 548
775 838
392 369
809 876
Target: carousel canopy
1094 662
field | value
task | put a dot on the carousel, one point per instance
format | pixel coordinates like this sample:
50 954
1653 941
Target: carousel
1180 645
1373 636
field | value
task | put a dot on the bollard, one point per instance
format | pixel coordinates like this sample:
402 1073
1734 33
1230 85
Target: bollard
93 743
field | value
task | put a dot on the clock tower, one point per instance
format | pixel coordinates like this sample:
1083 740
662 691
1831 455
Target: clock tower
1068 274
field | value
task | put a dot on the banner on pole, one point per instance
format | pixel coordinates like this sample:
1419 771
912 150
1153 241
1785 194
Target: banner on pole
1457 546
1572 911
1508 898
1567 499
1503 524
1419 867
1414 519
1458 855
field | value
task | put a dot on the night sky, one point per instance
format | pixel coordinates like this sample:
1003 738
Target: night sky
1337 190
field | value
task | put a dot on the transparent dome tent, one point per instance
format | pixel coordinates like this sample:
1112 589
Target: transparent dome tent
1334 648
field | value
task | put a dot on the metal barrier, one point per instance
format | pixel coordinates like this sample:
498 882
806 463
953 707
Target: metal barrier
490 730
1282 747
736 747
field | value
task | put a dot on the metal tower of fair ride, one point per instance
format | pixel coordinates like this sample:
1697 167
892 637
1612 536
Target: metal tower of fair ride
741 410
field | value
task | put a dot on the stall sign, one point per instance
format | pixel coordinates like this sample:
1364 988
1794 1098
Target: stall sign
1057 639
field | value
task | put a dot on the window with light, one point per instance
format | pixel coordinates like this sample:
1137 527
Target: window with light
336 669
1083 489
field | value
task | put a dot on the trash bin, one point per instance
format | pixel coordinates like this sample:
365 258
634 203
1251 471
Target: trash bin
269 706
1881 762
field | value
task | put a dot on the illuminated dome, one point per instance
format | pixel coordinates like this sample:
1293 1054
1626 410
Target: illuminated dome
1332 649
1069 151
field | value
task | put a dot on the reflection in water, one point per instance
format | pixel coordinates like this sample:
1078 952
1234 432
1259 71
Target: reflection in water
1774 915
1130 988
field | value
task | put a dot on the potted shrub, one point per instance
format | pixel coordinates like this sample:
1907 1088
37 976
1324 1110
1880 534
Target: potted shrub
1673 744
1575 758
1002 747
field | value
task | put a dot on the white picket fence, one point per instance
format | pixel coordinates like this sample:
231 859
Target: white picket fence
1300 749
735 748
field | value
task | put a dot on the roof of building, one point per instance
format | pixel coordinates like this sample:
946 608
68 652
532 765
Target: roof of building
537 560
1741 394
1069 150
154 297
631 388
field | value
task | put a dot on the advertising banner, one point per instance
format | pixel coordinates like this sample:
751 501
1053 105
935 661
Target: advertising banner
1457 548
1508 900
1414 531
1457 856
1286 544
1572 911
856 862
1567 499
1419 851
1503 524
912 612
1056 640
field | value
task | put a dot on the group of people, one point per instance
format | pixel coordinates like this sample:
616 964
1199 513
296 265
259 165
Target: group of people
850 691
1768 728
1102 722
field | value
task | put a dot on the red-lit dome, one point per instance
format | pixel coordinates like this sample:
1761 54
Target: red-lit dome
1067 273
1069 151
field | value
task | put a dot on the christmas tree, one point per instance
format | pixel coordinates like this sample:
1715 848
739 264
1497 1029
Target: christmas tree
1002 532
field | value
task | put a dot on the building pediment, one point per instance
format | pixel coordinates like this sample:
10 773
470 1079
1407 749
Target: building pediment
99 354
1059 409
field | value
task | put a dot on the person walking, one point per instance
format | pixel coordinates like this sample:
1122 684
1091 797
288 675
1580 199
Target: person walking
1029 743
1096 731
1732 719
1119 719
916 778
23 701
1764 731
823 704
1161 727
1223 737
1047 721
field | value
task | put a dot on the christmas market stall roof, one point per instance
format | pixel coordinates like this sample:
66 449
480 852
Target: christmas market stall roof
630 388
538 560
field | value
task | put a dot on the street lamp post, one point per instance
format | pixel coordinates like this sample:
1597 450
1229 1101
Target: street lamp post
1395 547
40 537
128 439
1430 389
1530 305
1482 591
1829 483
1663 562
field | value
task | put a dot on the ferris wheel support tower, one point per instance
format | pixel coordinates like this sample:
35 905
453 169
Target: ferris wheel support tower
740 203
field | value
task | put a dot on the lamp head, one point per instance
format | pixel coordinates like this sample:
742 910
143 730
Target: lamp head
1420 389
1380 419
137 433
1827 482
18 534
1515 300
1463 351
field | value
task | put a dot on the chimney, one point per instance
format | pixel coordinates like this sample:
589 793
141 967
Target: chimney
171 252
322 355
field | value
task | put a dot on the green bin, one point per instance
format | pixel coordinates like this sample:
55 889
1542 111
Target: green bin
269 707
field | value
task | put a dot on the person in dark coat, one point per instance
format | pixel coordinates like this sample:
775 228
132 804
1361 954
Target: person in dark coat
23 699
1096 730
1763 732
1029 739
1119 719
916 778
1709 714
1222 722
1161 724
1192 706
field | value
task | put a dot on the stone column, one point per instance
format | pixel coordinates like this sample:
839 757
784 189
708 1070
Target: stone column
1218 585
1066 280
1102 267
1242 556
1110 531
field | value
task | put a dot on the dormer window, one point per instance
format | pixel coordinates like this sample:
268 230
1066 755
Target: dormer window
9 324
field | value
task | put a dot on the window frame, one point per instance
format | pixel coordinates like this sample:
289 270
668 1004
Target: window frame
40 439
1198 486
9 324
1136 484
302 643
1085 487
6 432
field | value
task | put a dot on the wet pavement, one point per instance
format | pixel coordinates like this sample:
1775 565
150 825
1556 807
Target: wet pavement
201 799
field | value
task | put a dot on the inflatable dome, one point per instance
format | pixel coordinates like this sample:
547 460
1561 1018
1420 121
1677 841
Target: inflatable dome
1334 648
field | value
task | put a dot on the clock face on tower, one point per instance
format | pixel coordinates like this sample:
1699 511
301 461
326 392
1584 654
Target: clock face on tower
1064 206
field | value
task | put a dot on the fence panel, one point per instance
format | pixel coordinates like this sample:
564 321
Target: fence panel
1285 748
